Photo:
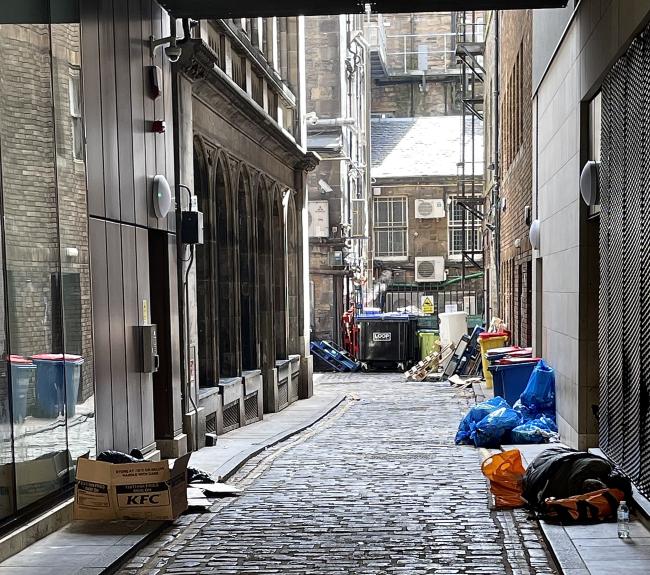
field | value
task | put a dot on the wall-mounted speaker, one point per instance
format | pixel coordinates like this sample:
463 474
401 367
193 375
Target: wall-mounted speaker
589 184
162 196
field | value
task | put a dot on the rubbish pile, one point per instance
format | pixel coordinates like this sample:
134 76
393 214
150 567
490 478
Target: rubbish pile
125 486
561 484
531 419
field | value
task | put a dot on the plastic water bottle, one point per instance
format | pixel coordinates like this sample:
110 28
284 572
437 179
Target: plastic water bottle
623 516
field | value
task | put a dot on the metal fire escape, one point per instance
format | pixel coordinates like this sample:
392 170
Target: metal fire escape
470 49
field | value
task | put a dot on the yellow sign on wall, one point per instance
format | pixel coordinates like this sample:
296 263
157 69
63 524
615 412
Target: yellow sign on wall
427 306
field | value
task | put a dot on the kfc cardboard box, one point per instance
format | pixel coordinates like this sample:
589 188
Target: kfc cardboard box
148 490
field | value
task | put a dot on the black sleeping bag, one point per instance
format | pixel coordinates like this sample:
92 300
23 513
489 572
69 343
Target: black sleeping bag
561 472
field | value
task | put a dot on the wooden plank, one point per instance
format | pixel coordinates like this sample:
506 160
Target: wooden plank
117 341
149 137
131 336
138 88
92 108
109 111
124 120
101 334
146 379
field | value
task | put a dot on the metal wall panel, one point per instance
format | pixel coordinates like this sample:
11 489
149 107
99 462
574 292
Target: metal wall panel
123 157
624 415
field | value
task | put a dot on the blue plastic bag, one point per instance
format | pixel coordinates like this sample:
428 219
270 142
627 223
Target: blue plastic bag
528 414
476 414
539 394
534 431
495 427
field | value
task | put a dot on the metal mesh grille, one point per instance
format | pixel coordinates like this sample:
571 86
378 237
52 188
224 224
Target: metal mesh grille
231 416
251 412
624 416
283 393
211 423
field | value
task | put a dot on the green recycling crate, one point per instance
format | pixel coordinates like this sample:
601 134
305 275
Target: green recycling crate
429 342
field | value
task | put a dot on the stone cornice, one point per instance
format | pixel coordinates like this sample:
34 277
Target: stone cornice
199 64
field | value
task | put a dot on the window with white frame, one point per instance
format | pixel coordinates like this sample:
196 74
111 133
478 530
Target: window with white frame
390 226
472 232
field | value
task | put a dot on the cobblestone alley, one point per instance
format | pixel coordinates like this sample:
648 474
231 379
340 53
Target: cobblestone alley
376 487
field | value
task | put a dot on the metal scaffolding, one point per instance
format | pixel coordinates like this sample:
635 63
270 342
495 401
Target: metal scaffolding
470 50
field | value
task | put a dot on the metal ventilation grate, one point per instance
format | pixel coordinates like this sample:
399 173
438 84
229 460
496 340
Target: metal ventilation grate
425 209
283 394
426 269
251 411
231 416
624 299
211 423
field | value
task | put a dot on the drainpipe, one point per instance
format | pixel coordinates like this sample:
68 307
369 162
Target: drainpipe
356 37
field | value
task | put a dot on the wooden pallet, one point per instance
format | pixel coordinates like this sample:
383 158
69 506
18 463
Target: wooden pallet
428 365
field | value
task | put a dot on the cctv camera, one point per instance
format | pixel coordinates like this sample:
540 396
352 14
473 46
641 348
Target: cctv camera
324 186
173 52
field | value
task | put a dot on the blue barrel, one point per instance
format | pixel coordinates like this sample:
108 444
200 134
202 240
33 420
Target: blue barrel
57 384
511 380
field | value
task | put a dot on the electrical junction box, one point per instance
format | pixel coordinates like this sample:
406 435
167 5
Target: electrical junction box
192 228
150 360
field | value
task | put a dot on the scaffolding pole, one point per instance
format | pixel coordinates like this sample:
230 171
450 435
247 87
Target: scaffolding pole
470 49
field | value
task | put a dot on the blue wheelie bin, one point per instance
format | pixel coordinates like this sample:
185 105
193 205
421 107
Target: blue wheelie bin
510 380
22 371
57 383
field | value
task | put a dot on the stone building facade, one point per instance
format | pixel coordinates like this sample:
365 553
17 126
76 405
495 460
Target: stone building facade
419 139
338 130
420 75
411 167
515 185
240 82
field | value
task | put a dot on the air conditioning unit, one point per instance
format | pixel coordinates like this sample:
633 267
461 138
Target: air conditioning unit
431 269
429 209
319 219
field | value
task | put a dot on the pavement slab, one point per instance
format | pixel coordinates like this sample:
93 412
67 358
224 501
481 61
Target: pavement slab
594 549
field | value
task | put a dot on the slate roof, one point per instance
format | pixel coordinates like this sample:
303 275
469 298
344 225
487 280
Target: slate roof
417 147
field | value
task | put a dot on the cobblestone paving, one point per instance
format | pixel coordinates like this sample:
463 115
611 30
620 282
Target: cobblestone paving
377 488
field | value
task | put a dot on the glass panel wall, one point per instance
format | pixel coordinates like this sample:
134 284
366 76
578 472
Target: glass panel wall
46 376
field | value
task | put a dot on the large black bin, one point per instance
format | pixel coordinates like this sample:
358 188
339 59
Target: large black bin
386 341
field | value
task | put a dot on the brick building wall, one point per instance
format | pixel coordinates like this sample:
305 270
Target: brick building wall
407 100
426 237
44 194
516 171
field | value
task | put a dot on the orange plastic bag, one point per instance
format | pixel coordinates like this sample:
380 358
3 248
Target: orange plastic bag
505 472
